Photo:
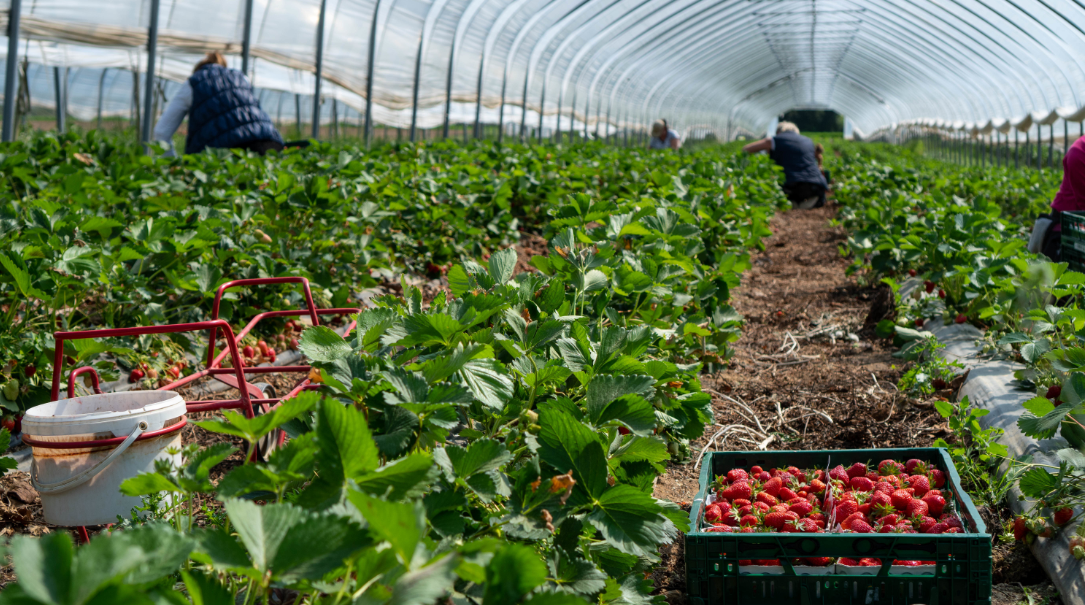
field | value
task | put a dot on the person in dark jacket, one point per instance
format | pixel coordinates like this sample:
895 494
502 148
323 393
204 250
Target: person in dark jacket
222 111
804 183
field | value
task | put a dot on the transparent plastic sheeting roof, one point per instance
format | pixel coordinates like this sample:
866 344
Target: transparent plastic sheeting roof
727 65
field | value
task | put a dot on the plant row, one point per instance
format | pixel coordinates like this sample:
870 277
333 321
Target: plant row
963 232
496 444
95 233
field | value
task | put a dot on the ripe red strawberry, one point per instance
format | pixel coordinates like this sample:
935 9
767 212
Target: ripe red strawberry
748 529
900 499
764 476
882 528
857 470
748 509
817 516
920 484
912 464
960 318
1054 392
957 530
941 293
773 486
925 524
884 487
880 499
865 508
912 273
891 519
937 528
838 472
748 521
861 484
846 508
935 503
817 486
136 375
860 526
786 494
777 520
847 521
801 508
916 508
1062 515
755 470
741 502
907 563
797 473
869 562
778 508
873 475
889 467
904 528
719 529
731 518
767 498
1020 530
928 286
848 561
737 474
918 322
938 478
952 521
740 490
713 514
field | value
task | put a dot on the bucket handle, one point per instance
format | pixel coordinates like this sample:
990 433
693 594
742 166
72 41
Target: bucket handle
72 482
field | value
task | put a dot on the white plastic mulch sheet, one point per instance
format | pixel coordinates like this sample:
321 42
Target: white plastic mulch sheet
990 386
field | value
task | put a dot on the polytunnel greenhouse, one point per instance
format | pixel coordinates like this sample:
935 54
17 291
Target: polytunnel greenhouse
542 302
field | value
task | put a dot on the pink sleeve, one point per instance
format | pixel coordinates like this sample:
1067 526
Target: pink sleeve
1075 176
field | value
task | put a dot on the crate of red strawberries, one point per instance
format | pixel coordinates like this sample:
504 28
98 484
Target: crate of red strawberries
889 526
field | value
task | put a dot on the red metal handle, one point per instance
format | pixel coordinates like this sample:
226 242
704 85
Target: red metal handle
93 378
74 445
235 356
260 281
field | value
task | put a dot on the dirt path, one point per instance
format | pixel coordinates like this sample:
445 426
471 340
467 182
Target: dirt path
810 368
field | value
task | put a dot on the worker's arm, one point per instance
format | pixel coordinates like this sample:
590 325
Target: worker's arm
675 143
172 117
762 145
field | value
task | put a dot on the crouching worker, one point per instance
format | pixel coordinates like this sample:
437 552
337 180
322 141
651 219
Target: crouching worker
804 184
1047 233
222 111
663 136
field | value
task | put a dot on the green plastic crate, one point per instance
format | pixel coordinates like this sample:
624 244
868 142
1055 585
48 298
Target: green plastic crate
961 576
1073 240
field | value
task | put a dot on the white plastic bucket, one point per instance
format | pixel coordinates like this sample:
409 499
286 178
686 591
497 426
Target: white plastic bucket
82 486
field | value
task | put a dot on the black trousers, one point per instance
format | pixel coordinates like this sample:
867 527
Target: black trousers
799 193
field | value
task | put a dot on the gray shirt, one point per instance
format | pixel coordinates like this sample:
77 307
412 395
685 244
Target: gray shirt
656 143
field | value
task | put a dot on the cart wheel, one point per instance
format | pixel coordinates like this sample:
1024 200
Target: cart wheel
273 440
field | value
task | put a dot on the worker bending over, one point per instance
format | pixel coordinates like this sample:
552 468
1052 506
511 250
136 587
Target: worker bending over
804 184
663 137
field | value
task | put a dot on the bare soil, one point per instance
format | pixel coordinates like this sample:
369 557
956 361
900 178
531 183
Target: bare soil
809 373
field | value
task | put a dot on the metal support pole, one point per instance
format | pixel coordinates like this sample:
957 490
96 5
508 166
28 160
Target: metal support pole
246 39
319 68
501 108
11 77
1016 156
58 88
297 112
148 94
101 92
1039 147
1051 145
478 95
335 119
448 86
369 75
414 96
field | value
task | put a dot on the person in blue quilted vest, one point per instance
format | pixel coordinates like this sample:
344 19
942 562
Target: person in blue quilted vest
222 111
